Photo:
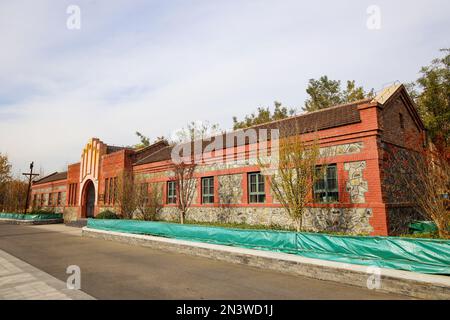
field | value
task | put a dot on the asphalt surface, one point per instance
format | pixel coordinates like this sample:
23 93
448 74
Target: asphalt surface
111 270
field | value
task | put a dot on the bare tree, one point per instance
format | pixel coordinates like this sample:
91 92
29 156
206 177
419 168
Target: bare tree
196 130
148 202
426 176
185 185
125 194
5 177
13 190
297 172
14 195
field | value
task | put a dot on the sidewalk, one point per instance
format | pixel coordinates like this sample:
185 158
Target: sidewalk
21 281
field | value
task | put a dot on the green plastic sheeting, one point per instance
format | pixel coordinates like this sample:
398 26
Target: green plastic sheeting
422 227
418 255
40 216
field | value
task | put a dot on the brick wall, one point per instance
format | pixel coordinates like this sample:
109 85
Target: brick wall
112 166
402 136
53 189
72 211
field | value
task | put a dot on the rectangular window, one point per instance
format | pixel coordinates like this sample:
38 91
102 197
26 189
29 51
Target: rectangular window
111 190
34 200
50 199
402 121
71 194
326 186
59 198
171 192
42 200
256 190
115 191
106 197
208 190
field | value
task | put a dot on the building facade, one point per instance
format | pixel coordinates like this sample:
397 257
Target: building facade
359 192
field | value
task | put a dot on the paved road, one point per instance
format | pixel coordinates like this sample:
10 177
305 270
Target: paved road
112 270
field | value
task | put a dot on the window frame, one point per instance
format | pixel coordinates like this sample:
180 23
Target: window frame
171 194
210 194
258 194
331 194
106 192
59 199
401 120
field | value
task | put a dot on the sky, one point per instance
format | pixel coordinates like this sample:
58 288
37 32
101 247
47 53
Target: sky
153 66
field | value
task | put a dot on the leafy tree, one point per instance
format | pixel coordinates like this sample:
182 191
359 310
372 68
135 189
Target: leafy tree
431 93
324 93
354 93
263 115
145 141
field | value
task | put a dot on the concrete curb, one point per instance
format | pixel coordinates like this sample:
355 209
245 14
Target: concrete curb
30 222
407 283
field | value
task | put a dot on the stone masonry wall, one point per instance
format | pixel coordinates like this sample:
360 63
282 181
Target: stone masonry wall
349 220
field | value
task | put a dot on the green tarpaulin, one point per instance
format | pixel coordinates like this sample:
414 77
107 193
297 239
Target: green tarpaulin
422 227
418 255
40 216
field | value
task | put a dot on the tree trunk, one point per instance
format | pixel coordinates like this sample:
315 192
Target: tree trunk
182 217
298 225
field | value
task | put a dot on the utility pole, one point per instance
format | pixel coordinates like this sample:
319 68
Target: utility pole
30 179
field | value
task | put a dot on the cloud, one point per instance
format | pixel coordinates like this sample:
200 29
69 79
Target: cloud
154 66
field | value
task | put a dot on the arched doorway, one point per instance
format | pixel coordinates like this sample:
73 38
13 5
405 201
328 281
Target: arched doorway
89 199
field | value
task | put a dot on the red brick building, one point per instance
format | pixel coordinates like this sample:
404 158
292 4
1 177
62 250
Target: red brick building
356 195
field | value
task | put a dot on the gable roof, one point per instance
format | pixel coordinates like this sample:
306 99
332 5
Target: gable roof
55 176
389 93
308 122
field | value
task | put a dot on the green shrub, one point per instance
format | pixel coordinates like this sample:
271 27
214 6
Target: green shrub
40 211
429 235
107 214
